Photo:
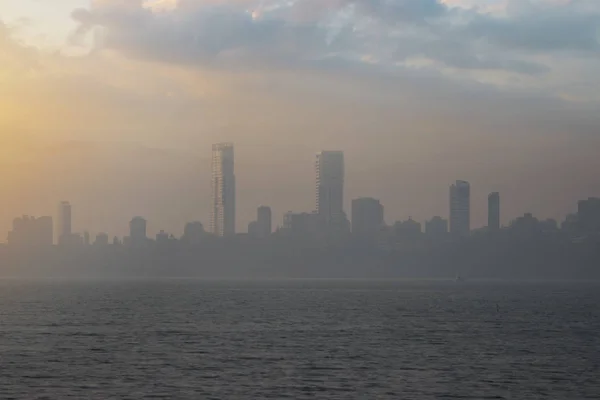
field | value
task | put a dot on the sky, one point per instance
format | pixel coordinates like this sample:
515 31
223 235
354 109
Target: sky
114 104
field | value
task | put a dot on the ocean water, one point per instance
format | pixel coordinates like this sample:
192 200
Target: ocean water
178 339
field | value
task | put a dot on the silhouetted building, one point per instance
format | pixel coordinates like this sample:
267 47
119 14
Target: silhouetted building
222 220
570 225
460 208
194 232
525 227
101 240
137 231
45 231
253 229
367 217
64 228
436 227
588 215
494 212
31 232
86 238
264 222
409 229
549 225
162 237
300 224
330 187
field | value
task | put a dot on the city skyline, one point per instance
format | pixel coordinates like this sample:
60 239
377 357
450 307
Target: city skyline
117 119
366 213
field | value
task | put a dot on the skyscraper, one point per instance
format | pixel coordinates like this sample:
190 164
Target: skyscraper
137 231
330 187
494 211
460 208
222 218
367 216
264 225
64 222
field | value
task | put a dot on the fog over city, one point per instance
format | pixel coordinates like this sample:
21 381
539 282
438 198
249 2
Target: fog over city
114 105
307 199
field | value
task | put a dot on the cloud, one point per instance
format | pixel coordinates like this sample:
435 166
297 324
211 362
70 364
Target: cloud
542 26
199 34
304 33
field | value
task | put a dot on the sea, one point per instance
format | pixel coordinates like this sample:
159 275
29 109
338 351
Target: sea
298 339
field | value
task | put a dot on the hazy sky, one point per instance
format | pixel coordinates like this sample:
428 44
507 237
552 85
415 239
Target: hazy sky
113 104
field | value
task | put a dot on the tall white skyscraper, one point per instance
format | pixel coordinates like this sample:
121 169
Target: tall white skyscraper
64 230
460 208
222 219
330 186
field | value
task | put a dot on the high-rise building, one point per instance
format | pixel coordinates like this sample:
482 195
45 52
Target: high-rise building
64 231
409 229
436 227
588 216
45 231
137 231
101 240
494 211
222 218
300 224
367 216
330 187
460 208
253 229
193 232
31 232
264 222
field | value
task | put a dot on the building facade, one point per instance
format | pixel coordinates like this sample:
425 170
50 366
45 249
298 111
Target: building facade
436 227
460 208
222 218
330 187
264 222
64 227
31 232
101 240
588 216
367 217
300 224
137 231
193 232
494 212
